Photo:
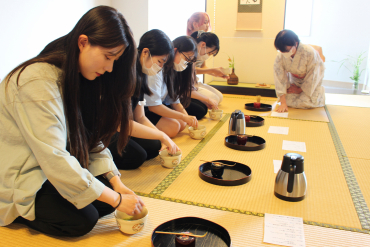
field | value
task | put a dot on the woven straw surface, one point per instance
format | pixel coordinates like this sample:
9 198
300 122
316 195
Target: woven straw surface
151 173
361 169
244 230
328 199
352 125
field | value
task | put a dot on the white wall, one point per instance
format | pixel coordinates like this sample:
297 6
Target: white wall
341 28
253 51
28 26
135 13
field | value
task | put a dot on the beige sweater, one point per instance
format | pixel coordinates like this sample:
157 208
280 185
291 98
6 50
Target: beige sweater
33 137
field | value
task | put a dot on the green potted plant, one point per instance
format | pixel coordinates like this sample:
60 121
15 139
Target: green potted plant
353 64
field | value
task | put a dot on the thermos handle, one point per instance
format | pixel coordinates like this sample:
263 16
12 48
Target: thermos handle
291 179
233 128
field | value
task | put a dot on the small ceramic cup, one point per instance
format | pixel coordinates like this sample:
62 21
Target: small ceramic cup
247 118
242 139
168 160
257 105
131 224
199 133
217 170
215 114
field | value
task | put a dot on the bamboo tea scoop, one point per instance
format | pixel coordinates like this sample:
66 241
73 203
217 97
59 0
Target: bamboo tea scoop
183 234
219 163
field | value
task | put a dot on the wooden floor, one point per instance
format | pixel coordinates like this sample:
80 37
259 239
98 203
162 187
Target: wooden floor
337 166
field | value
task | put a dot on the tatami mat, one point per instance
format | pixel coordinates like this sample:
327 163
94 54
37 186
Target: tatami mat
352 125
232 102
151 173
328 199
361 169
245 230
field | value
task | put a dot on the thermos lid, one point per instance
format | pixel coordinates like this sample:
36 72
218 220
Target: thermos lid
293 159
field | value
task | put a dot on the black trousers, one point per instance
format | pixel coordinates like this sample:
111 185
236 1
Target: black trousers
197 109
57 216
135 153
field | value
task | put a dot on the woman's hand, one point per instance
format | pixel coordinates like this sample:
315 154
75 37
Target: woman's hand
294 89
190 120
217 72
134 202
282 108
211 104
130 204
169 144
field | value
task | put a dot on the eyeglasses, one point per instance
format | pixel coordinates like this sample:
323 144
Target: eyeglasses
188 60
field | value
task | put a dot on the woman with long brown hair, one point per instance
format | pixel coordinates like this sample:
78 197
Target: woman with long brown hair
58 112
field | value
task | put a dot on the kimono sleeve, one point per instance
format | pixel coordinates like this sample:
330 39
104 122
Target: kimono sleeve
280 76
315 72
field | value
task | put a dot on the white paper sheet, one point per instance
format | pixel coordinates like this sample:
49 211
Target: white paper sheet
284 230
277 165
278 130
279 114
294 146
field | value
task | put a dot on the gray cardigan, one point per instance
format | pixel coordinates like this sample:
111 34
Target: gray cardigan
33 138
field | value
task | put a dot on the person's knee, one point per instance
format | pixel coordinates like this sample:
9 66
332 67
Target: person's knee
83 224
200 114
173 128
182 125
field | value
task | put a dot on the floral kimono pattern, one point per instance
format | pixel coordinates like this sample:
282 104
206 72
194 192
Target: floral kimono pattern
305 70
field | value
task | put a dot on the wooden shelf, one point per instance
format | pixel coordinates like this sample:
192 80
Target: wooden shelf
243 89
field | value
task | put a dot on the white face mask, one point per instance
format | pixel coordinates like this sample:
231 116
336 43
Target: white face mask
203 57
289 53
180 66
152 70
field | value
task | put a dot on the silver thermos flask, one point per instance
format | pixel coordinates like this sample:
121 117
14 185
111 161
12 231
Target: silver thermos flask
290 182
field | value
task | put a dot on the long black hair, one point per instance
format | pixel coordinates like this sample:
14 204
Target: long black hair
105 27
209 38
285 38
159 44
183 81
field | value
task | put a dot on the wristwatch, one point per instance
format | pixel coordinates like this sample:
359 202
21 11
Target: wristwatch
111 174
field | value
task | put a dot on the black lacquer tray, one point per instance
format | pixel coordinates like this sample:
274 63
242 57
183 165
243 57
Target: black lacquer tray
232 175
264 107
255 121
254 143
217 236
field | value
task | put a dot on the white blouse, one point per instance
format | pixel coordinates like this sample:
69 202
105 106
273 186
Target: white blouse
159 89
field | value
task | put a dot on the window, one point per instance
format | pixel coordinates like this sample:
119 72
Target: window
298 16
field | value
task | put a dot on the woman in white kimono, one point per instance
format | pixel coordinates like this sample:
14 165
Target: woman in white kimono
298 73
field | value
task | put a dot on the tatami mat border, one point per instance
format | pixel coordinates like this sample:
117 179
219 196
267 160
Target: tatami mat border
184 163
251 98
354 189
295 119
159 197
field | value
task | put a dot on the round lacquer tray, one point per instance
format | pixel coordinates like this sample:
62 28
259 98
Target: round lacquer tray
264 107
254 143
216 234
255 121
231 175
